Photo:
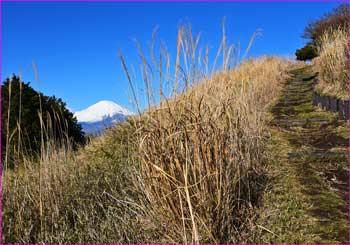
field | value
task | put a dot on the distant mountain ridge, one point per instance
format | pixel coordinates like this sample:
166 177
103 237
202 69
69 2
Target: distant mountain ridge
100 116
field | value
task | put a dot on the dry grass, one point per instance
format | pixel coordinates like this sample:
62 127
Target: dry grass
332 63
87 197
201 154
187 170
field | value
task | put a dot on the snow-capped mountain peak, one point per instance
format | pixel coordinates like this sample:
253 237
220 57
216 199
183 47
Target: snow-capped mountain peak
100 111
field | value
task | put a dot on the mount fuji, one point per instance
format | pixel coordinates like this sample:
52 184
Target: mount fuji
100 116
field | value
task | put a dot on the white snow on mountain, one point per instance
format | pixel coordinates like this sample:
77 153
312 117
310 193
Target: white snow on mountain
100 111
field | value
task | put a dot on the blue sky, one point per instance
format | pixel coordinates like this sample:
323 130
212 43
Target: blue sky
75 45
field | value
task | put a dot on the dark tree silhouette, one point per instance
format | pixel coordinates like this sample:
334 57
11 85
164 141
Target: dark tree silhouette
27 110
306 53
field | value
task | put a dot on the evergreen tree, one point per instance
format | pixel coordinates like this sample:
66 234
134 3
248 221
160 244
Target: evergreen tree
28 117
306 53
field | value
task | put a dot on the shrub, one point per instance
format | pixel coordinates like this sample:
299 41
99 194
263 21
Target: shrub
306 53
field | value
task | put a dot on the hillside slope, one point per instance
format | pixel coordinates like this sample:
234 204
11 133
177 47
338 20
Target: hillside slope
188 171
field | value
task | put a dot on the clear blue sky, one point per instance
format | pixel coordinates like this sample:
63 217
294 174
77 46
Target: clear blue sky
75 45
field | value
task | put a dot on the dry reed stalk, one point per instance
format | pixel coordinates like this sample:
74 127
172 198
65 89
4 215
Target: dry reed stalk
8 127
41 152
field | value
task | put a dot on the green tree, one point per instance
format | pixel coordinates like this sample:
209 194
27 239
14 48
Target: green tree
306 53
28 115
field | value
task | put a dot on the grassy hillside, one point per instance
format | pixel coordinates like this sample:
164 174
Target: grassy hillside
189 170
230 156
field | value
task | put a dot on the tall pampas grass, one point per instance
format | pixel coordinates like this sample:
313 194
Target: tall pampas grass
200 152
332 63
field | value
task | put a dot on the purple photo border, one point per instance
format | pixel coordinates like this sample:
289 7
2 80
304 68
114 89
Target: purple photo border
213 1
1 122
348 73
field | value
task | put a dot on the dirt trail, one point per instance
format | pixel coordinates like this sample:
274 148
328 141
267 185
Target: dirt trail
307 198
317 152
